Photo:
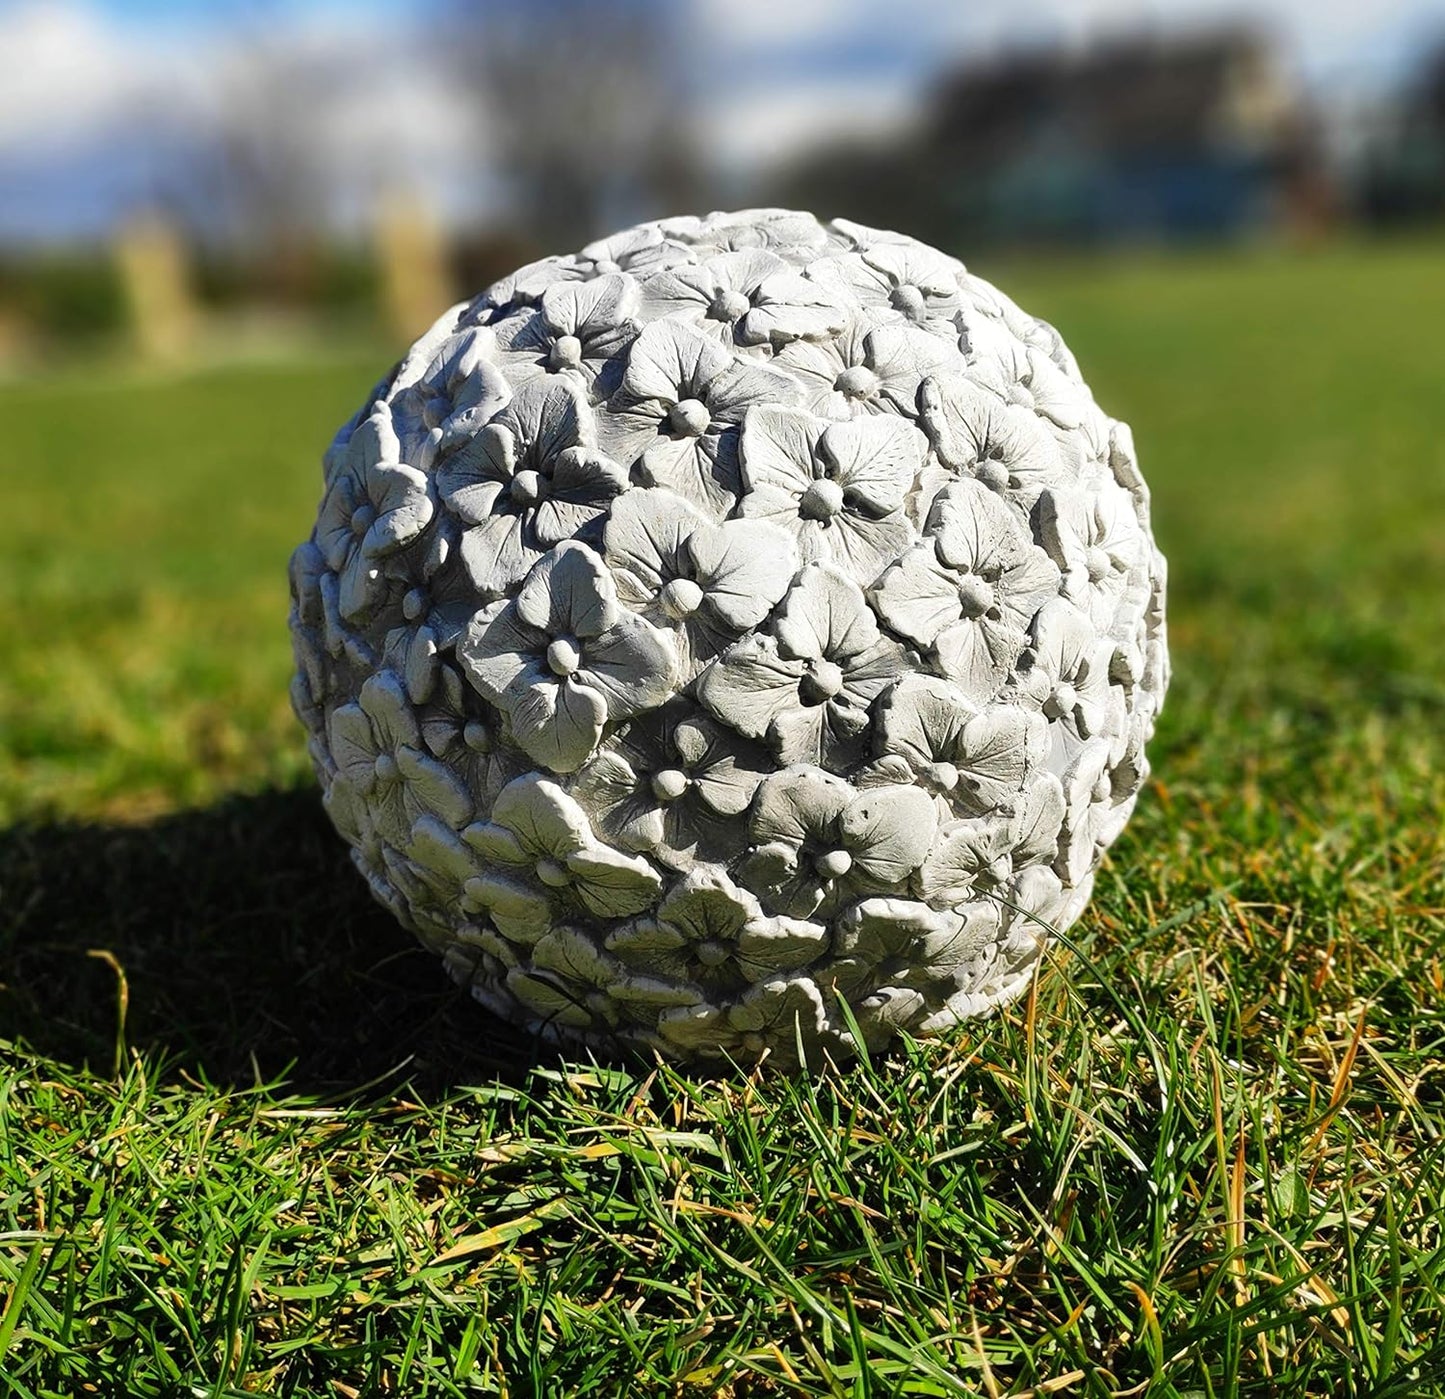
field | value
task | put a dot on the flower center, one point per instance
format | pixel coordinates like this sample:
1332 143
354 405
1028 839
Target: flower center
1060 704
681 598
669 784
362 518
564 655
729 306
833 864
944 776
821 501
689 418
992 474
385 768
566 352
999 871
528 487
975 595
909 300
551 874
476 736
1099 564
712 953
857 382
414 604
820 683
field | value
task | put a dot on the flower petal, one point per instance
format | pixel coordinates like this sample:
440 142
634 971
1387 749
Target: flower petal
769 947
744 568
496 554
777 448
558 724
569 592
645 534
825 615
922 718
888 831
997 752
978 654
702 470
862 548
670 361
750 684
499 653
434 787
797 804
875 460
706 906
611 884
633 665
542 816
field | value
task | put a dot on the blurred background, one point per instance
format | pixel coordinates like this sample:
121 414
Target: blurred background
220 220
204 177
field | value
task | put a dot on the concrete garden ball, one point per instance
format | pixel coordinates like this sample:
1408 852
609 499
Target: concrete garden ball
736 638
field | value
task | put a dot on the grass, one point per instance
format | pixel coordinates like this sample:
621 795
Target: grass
250 1143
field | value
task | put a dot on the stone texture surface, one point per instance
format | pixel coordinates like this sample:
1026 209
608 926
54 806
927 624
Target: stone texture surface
742 631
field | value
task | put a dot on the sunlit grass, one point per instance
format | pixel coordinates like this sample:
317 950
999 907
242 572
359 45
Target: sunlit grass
1204 1158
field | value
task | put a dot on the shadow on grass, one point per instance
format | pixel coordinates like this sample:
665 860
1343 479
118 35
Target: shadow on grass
250 946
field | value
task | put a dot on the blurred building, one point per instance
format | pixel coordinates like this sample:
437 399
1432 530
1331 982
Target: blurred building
1186 137
1401 169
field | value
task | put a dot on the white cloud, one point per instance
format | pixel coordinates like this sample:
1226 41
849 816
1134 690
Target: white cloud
363 107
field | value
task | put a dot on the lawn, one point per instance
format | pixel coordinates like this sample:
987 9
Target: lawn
251 1143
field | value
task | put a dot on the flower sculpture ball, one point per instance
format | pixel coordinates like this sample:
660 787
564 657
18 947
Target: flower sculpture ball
738 637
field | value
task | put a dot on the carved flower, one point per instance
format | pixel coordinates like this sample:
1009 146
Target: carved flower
431 874
572 981
376 745
818 843
895 281
563 658
979 855
525 286
1096 541
781 230
1002 445
837 487
439 603
675 785
677 411
578 328
709 931
969 592
864 371
1090 812
806 687
774 1015
462 731
709 583
753 297
529 479
1068 676
981 758
645 249
891 942
460 388
374 507
540 858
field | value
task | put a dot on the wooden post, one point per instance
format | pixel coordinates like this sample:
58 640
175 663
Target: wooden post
412 253
155 274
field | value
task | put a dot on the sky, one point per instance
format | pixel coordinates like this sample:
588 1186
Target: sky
102 99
